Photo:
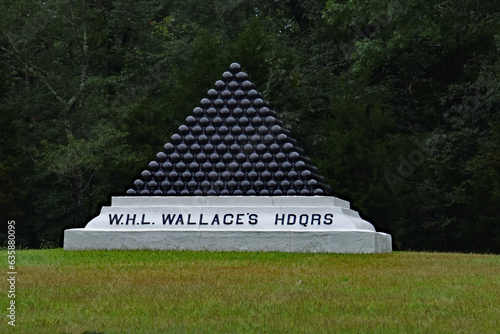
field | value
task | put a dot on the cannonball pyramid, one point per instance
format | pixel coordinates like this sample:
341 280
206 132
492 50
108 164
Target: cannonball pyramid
232 144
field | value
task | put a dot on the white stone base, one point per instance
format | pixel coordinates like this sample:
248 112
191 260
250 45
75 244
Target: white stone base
284 224
259 241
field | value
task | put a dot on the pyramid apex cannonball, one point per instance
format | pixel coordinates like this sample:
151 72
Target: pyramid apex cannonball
235 67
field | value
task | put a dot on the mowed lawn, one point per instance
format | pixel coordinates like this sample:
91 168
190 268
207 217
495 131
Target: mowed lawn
61 291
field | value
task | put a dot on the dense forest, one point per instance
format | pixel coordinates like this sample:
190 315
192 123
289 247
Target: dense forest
396 102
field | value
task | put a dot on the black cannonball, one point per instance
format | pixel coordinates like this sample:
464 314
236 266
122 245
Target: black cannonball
211 112
169 148
230 121
233 166
233 85
186 176
273 166
194 166
208 148
220 85
202 139
235 148
221 148
279 175
232 103
260 166
178 185
274 148
245 103
167 166
245 185
247 85
243 121
196 130
195 149
254 157
182 148
246 166
146 175
264 111
201 157
176 139
235 67
220 166
267 157
138 184
199 176
294 156
249 130
236 130
252 176
225 176
237 112
198 112
218 103
280 157
265 175
216 139
241 157
204 121
239 94
261 148
223 130
205 103
192 185
227 76
241 76
300 165
251 112
292 175
165 185
173 175
263 130
258 185
268 139
218 185
227 157
214 157
180 166
154 166
232 185
210 130
159 176
190 121
228 140
286 166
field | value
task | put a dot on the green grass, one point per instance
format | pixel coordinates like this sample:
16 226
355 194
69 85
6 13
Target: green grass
227 292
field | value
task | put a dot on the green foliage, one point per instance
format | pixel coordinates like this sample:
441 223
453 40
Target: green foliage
396 103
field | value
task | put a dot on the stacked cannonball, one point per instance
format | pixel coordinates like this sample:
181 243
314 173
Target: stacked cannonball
232 144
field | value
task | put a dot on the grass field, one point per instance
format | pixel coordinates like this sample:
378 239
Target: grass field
199 292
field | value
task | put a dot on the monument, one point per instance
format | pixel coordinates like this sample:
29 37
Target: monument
231 179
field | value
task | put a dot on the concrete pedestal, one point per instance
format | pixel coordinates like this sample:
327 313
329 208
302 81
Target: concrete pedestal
230 223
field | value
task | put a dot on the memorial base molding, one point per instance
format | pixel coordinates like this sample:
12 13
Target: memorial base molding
285 224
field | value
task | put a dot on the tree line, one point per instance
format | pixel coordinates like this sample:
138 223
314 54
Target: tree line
397 103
